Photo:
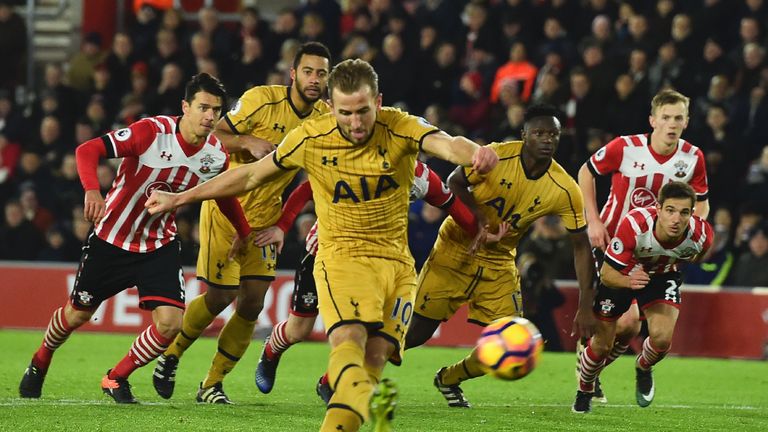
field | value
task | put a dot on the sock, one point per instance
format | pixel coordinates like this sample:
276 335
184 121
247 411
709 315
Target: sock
147 347
618 349
348 408
56 334
650 355
374 373
196 318
278 341
467 368
233 342
591 365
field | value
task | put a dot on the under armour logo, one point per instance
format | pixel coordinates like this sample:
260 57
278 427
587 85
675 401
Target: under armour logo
424 304
504 182
398 329
166 156
382 151
536 201
355 305
639 165
270 266
646 249
333 161
279 127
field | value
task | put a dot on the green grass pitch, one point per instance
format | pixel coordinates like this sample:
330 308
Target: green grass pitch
691 394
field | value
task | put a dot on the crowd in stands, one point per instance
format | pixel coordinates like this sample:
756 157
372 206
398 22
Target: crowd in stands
470 67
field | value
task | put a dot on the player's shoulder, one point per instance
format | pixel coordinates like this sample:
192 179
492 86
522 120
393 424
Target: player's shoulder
688 148
320 107
266 93
159 124
314 127
507 150
641 217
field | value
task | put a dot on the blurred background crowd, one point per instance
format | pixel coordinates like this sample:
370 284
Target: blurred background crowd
469 67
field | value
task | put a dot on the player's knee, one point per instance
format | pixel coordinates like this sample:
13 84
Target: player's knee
299 331
625 331
169 327
661 342
601 348
216 299
76 318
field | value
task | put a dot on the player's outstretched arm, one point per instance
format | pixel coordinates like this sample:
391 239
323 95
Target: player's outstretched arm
598 235
583 261
460 151
257 147
230 183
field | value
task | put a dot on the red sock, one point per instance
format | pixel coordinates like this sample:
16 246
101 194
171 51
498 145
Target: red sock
590 366
56 334
278 341
147 347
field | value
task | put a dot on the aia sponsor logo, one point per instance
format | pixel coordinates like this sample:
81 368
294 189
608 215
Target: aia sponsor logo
642 197
158 185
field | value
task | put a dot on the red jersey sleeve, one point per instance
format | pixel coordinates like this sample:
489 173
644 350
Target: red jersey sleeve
438 193
699 180
132 140
620 251
608 158
87 155
293 205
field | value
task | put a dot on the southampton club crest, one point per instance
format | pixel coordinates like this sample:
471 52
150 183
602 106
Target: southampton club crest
206 162
681 167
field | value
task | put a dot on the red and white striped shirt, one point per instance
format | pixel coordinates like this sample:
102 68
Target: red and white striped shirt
155 156
426 185
636 244
638 173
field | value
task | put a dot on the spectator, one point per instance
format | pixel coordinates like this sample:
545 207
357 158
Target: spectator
144 32
13 47
83 63
41 217
519 70
424 222
395 76
752 266
626 112
222 40
9 158
19 239
250 69
716 266
59 246
119 62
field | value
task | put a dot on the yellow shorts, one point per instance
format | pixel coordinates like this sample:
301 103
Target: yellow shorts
445 284
216 235
375 292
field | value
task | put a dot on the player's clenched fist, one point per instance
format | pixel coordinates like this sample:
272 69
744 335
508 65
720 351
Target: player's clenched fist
484 160
161 202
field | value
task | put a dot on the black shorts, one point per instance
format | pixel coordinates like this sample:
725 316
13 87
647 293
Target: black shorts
611 303
304 300
105 270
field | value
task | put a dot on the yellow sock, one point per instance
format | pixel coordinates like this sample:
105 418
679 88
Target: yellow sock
374 373
467 368
233 342
197 318
337 419
348 408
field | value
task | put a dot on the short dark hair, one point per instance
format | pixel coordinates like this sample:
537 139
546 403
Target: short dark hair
311 48
540 110
206 83
677 189
351 75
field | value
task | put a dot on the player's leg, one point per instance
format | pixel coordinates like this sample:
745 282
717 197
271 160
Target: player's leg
492 294
581 343
64 321
608 306
627 327
160 282
660 304
234 339
420 330
350 313
295 329
378 351
96 281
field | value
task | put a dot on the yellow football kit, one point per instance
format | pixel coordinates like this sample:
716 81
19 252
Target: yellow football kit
265 112
488 281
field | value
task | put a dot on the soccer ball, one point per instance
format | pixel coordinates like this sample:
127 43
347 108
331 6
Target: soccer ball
509 348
